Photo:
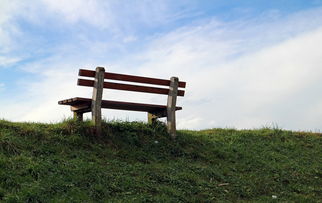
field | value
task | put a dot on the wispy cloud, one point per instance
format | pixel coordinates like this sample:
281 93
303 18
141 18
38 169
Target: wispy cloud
245 74
75 11
5 61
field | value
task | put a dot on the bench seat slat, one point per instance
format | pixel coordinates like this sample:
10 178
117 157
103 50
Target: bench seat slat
78 101
130 78
127 87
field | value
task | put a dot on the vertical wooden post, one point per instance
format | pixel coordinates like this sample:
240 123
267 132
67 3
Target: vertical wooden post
78 116
171 106
97 100
152 118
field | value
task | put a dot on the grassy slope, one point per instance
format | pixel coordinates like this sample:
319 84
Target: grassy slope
63 162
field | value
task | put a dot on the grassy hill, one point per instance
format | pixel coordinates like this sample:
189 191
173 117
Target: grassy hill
137 162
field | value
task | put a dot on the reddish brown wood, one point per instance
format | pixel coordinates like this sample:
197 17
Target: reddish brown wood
153 108
76 101
86 73
130 78
83 82
136 88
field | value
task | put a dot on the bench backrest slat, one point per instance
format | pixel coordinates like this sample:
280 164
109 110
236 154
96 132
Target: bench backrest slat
127 87
130 78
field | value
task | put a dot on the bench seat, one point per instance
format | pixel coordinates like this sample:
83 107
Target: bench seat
84 105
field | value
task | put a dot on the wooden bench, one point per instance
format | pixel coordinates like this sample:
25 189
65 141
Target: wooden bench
94 105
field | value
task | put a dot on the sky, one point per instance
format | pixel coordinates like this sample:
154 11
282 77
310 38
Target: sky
248 64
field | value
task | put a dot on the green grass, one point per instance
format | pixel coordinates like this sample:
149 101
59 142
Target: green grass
136 162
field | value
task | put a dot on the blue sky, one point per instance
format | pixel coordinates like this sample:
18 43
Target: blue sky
248 64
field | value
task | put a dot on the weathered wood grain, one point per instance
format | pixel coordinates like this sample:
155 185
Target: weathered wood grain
171 106
97 100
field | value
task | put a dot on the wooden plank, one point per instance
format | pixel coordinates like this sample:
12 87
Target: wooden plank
80 107
120 105
171 106
127 87
153 108
76 101
83 82
130 78
97 100
86 73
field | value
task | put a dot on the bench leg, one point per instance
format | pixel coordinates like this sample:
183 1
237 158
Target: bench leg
152 118
97 100
171 123
171 106
78 116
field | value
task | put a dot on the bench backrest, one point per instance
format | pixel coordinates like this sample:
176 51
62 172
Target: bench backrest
130 78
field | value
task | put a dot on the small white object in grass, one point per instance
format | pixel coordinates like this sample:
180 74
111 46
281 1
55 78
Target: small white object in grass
274 196
156 142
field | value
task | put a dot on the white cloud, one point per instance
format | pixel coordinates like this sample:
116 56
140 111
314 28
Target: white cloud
73 11
129 39
114 21
233 84
118 17
7 29
5 61
6 7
